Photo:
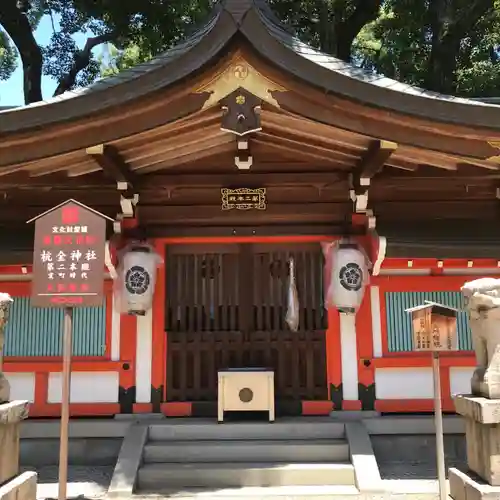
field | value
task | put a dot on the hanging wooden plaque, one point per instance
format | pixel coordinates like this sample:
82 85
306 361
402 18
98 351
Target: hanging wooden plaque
243 199
434 327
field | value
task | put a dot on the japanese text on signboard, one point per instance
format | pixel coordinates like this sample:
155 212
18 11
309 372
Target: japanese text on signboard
69 257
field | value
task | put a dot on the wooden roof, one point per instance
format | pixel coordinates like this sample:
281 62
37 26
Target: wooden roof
325 124
253 21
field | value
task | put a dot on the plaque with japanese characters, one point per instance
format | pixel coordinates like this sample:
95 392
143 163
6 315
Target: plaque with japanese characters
434 327
68 259
243 199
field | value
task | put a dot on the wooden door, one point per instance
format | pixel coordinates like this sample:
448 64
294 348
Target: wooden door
226 307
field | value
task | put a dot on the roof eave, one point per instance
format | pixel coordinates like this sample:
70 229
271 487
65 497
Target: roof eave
81 103
408 100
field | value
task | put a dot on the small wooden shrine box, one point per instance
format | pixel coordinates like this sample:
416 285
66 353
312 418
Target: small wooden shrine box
434 327
246 389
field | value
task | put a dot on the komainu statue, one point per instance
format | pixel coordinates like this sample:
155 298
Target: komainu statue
5 303
482 301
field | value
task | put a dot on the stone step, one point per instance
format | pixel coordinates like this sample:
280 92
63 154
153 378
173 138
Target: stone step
152 477
209 429
340 492
250 450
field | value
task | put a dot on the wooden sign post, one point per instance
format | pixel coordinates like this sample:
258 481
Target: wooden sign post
435 330
68 272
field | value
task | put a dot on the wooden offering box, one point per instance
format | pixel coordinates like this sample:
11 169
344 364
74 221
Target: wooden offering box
246 389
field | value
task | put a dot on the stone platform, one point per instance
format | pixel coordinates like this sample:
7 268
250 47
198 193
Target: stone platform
14 486
482 433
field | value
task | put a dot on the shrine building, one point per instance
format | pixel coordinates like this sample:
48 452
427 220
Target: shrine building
232 153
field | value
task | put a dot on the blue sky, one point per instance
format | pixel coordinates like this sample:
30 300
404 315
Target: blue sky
11 91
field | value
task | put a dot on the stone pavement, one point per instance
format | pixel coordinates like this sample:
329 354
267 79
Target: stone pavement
87 482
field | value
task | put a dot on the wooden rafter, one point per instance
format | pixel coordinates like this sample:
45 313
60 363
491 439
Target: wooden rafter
341 140
112 164
194 153
375 158
154 153
193 123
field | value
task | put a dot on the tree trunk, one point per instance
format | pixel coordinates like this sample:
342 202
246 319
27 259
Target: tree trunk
446 40
16 24
346 30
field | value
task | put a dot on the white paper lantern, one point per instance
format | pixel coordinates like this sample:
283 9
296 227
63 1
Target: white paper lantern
137 276
349 277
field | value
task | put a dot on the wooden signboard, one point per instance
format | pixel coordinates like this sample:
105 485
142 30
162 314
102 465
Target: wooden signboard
243 199
434 327
68 272
435 330
68 259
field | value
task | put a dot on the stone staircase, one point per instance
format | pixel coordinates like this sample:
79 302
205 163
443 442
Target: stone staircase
185 459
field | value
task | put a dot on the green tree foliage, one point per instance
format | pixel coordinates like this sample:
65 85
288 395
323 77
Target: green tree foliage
449 46
8 56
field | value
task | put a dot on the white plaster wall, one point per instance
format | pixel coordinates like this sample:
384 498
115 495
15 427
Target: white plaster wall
349 356
144 358
376 321
86 387
460 380
22 386
403 383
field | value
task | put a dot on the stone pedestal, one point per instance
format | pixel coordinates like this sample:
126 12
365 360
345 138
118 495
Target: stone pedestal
482 434
14 486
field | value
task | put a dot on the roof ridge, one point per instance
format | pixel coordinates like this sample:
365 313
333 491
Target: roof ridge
238 9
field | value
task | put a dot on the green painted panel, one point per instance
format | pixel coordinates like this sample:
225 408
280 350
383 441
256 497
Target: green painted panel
35 331
399 329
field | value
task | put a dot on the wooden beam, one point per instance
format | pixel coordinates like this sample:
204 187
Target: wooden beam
287 213
274 213
112 164
370 164
242 179
375 158
182 231
425 211
209 214
433 179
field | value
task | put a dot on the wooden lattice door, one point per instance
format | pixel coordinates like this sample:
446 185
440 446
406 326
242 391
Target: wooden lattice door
225 308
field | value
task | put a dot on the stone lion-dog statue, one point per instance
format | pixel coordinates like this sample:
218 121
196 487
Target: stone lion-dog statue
482 302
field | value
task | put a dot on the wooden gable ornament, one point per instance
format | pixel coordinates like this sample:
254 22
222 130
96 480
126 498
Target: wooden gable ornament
241 112
434 327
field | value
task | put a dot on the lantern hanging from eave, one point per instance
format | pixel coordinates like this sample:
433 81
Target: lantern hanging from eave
346 275
136 280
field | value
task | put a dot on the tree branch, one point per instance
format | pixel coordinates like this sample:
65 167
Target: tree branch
81 61
16 24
